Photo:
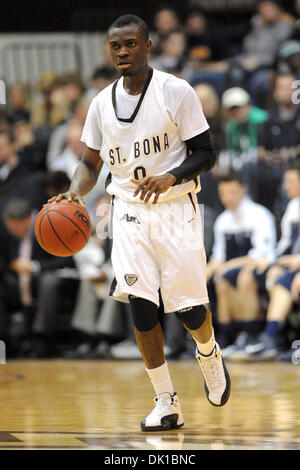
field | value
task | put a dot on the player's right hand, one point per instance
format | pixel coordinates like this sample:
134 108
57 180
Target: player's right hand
70 196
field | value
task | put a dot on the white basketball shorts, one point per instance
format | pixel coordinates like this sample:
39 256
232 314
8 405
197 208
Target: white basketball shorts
159 246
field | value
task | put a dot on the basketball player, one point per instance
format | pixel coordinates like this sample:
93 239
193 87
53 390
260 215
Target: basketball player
149 128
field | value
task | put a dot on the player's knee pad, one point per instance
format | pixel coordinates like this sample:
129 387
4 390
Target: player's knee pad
192 317
144 313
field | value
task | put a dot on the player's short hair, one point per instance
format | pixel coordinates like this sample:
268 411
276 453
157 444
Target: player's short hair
17 209
126 20
230 177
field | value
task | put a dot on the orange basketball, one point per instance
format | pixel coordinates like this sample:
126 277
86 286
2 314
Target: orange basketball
62 228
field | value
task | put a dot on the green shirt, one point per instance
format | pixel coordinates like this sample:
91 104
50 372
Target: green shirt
240 137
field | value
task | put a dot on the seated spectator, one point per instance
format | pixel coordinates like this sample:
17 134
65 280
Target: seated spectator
30 144
244 234
4 122
212 111
101 78
73 89
209 181
277 278
270 27
69 160
289 58
278 144
53 108
205 43
165 22
171 58
296 31
58 137
31 276
18 102
242 126
97 318
241 129
72 154
12 170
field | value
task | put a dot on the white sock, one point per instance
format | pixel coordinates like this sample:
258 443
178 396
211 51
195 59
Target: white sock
160 379
207 348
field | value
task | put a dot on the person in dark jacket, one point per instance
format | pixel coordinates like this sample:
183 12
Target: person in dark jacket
32 279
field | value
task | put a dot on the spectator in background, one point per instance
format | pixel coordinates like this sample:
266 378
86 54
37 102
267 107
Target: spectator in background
205 43
212 111
53 107
207 48
30 276
270 27
72 154
244 119
296 31
12 171
101 78
58 138
209 181
73 89
277 278
171 58
241 129
4 122
69 160
278 144
30 144
165 22
18 102
289 58
97 318
244 234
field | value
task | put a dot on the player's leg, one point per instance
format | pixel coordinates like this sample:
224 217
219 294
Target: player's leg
184 291
136 270
150 339
198 321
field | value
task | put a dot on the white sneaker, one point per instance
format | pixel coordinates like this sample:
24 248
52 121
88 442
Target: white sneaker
216 377
166 415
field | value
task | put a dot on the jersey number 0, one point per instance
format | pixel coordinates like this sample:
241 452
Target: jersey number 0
139 173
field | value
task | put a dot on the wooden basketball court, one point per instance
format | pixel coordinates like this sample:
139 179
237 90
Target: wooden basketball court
99 405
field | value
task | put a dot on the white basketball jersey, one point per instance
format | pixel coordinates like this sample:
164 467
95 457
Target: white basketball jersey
147 144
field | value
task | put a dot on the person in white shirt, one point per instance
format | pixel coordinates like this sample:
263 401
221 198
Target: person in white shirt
244 234
149 128
280 279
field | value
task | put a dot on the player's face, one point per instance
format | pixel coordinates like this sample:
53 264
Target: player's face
231 194
292 183
128 49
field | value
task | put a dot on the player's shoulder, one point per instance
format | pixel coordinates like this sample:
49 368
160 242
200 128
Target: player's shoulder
171 82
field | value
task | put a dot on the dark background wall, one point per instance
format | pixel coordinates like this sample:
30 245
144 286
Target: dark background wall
95 15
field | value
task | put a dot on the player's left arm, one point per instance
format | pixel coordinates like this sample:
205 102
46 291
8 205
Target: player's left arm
201 158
